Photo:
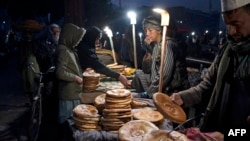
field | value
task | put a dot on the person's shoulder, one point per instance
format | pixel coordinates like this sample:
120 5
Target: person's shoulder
62 47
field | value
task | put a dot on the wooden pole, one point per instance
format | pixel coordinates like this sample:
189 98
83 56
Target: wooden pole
134 44
164 23
163 49
112 49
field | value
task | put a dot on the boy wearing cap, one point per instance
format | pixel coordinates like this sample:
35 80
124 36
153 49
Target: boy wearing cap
175 76
226 85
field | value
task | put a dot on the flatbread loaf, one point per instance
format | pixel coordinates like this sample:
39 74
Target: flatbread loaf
85 111
169 109
134 130
148 115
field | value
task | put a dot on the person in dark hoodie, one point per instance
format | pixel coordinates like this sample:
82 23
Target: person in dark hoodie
88 58
68 70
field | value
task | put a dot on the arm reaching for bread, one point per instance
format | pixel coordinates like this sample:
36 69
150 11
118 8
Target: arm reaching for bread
176 98
123 79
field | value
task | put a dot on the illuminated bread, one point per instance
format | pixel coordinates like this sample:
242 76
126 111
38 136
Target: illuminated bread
118 93
117 106
169 109
90 80
86 121
138 104
148 115
135 130
99 102
117 86
117 68
116 110
85 111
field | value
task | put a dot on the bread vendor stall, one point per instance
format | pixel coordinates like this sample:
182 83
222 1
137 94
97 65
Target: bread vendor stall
108 112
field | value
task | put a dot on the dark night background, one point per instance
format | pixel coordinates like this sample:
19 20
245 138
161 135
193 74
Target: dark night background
33 8
100 13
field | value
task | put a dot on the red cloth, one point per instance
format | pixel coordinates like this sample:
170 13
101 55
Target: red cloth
194 134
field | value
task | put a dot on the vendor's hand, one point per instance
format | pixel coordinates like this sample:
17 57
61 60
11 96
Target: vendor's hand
123 79
176 98
129 85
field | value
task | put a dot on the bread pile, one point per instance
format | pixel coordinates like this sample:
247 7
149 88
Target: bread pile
117 68
117 109
150 115
91 80
86 117
99 102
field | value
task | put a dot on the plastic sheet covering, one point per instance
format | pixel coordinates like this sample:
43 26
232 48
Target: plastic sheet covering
94 135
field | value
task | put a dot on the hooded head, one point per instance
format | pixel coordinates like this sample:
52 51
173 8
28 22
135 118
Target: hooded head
71 35
92 34
228 5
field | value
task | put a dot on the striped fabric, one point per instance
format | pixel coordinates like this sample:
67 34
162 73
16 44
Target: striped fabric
150 82
169 65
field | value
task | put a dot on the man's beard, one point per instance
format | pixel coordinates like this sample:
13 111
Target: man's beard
55 39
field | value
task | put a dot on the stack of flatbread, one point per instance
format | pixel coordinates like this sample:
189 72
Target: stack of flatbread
91 80
117 109
117 68
86 117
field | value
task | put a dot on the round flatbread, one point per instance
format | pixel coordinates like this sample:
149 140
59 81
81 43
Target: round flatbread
138 104
169 109
118 93
85 111
164 135
124 120
117 86
83 121
117 106
118 116
135 130
148 115
100 99
117 110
